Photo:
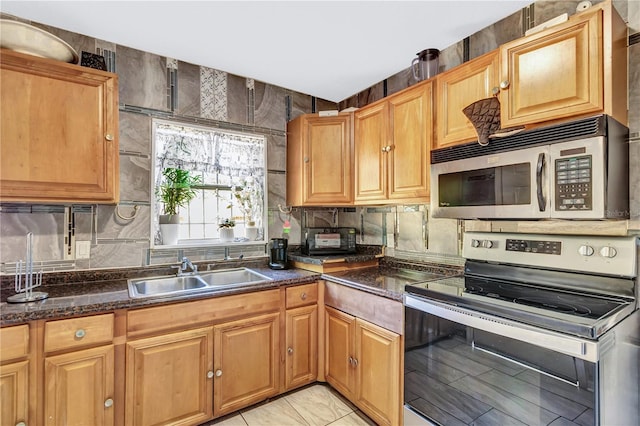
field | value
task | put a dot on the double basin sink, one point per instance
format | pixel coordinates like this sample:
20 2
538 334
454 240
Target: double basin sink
200 282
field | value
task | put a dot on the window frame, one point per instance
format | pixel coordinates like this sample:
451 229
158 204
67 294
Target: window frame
156 205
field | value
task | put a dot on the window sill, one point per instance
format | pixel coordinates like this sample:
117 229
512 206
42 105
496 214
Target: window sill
210 243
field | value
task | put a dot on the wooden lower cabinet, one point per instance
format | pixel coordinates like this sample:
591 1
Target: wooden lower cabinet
301 362
363 363
14 393
79 387
169 378
245 359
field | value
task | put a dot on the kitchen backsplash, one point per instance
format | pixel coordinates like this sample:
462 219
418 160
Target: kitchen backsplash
222 99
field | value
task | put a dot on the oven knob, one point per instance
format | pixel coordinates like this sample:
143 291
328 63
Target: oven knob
487 244
608 252
585 250
475 243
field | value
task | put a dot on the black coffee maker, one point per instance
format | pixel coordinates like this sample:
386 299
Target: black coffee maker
278 253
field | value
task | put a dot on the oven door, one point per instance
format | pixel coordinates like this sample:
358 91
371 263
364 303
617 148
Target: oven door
503 185
463 367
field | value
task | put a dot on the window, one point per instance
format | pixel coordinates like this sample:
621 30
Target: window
231 167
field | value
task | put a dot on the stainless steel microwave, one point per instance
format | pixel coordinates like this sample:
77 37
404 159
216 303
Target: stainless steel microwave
576 170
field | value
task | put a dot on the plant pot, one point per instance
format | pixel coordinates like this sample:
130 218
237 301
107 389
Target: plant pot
226 234
251 232
169 228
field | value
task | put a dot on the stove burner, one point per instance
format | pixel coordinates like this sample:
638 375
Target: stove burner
553 305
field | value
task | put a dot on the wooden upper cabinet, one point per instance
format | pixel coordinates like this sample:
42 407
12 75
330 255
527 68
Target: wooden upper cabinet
59 133
573 69
371 130
392 147
319 160
458 88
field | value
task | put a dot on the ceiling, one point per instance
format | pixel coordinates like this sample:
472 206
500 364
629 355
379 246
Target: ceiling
328 49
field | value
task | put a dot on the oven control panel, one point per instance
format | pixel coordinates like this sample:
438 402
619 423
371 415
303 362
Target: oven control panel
534 246
597 254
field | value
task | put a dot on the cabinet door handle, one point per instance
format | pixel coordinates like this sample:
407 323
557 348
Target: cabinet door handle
355 362
306 159
80 333
290 351
495 91
108 137
209 374
350 361
504 84
108 403
21 424
218 373
387 148
303 296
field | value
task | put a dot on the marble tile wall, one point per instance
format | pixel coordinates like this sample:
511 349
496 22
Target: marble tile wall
118 242
120 235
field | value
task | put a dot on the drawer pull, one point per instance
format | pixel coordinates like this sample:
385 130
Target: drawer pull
108 403
80 333
303 296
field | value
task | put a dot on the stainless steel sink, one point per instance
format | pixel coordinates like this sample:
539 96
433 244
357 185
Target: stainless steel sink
207 281
232 277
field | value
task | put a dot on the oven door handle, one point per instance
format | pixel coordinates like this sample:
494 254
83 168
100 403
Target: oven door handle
568 345
542 204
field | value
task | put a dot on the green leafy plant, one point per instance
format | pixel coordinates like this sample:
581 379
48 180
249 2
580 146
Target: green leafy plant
176 189
227 223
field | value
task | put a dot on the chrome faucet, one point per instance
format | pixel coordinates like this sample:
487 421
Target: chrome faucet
186 263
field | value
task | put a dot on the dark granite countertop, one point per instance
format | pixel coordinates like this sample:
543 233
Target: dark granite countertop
391 276
73 294
364 254
86 298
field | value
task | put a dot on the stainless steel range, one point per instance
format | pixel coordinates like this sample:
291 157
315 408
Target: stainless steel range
540 330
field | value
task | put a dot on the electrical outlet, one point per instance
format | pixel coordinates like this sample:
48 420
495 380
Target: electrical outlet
83 249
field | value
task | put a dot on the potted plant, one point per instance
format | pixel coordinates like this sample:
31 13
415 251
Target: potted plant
248 197
226 229
175 191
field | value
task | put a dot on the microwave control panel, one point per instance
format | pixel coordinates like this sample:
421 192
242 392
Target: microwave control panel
573 183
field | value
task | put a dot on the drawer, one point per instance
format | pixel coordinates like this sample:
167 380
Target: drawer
78 332
14 342
302 295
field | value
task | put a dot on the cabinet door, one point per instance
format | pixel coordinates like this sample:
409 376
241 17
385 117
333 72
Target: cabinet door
371 134
246 362
14 393
457 89
302 346
58 139
378 373
554 74
79 387
327 157
409 156
339 351
169 378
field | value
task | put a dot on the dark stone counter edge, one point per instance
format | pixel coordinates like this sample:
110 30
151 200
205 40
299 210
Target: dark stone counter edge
116 296
71 300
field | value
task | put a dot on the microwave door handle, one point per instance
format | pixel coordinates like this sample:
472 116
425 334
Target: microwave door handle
539 168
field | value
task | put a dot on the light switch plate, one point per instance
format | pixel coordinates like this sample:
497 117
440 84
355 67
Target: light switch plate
83 249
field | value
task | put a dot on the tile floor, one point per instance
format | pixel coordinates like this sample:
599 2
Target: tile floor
314 405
